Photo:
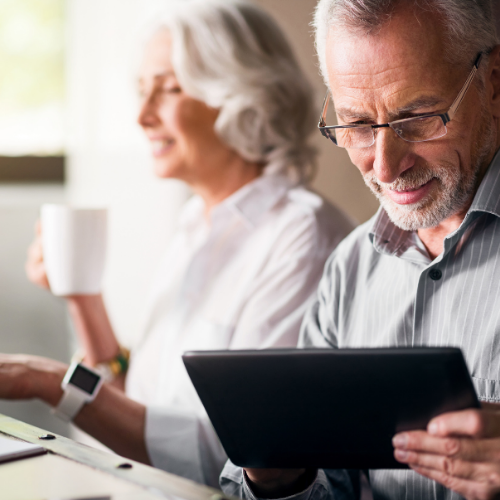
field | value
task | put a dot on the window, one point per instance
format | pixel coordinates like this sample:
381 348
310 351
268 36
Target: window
31 90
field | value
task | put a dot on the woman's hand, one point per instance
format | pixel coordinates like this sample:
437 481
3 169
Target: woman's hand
96 336
28 377
35 266
112 418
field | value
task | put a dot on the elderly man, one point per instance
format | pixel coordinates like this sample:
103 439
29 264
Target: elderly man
416 89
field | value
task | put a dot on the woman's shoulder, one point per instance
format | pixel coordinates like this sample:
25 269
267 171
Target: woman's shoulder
302 203
304 216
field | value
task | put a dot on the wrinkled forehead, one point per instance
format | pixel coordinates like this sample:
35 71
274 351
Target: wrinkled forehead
403 61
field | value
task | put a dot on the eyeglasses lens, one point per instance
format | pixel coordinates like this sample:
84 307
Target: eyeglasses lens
354 138
420 129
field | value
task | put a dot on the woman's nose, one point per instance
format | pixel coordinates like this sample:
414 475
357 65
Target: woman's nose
392 156
148 114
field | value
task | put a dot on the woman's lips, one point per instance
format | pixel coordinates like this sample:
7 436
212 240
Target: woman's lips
410 196
161 146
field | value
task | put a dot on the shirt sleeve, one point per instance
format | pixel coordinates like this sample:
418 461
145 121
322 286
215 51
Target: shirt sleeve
320 323
184 444
328 485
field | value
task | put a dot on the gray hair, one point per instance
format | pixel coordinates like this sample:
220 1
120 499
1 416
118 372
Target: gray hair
469 25
232 55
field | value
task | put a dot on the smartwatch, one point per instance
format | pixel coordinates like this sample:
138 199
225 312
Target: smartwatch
80 385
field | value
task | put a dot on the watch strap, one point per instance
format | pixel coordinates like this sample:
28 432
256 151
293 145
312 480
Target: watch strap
70 404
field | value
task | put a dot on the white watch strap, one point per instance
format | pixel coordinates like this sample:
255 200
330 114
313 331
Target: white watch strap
69 406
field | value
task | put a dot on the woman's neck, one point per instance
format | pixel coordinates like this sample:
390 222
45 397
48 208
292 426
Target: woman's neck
234 176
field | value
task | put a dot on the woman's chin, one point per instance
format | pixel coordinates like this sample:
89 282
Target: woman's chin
163 170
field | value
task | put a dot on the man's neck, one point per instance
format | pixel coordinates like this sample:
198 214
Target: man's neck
433 237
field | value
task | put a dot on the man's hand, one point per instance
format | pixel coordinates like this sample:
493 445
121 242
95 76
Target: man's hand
276 483
28 377
460 450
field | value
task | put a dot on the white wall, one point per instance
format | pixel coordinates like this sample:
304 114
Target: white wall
31 320
109 160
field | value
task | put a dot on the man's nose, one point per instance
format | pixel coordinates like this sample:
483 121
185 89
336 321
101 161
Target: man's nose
392 156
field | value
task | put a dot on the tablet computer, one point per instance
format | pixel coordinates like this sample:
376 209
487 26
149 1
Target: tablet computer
325 408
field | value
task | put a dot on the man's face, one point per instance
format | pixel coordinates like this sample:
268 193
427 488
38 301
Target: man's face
399 73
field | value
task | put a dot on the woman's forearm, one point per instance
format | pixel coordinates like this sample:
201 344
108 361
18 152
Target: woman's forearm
93 327
112 418
116 421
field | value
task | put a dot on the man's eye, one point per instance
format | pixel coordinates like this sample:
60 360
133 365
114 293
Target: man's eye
359 122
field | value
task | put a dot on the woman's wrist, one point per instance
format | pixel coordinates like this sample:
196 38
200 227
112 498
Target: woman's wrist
47 381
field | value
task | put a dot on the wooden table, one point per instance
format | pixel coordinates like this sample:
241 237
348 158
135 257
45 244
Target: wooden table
71 470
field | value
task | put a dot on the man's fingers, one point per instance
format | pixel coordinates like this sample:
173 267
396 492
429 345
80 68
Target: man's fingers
467 449
490 406
465 487
475 423
423 441
474 471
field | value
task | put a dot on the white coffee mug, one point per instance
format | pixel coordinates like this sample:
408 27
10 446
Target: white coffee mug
74 248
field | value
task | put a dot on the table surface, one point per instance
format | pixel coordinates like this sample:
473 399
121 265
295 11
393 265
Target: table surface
71 470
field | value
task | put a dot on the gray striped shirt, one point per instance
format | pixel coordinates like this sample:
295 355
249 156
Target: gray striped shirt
380 288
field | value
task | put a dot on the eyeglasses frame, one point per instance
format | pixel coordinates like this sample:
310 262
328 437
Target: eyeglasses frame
446 117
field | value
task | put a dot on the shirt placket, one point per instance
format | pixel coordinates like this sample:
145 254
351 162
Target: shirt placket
431 288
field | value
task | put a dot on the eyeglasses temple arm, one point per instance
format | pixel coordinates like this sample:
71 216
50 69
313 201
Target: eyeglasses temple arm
322 122
460 97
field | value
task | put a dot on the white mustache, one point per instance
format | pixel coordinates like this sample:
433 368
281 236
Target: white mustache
405 182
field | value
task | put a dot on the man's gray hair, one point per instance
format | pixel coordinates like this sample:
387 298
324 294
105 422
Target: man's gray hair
469 25
232 55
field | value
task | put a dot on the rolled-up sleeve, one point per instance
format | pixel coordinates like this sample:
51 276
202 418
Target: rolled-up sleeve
328 485
184 444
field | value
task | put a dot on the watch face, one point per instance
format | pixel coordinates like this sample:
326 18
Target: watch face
84 379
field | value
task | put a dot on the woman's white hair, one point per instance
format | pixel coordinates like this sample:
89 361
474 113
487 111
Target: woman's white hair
232 55
469 25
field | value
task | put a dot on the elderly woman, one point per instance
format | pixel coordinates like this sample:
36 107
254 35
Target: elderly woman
227 110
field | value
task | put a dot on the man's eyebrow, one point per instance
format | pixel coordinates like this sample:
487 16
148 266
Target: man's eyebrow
419 103
352 113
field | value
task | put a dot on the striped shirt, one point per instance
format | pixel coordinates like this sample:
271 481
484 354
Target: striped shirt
380 288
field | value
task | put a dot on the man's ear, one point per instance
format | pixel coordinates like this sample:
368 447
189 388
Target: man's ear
493 81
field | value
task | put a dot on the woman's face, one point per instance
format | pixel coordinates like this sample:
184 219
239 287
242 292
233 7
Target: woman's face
180 129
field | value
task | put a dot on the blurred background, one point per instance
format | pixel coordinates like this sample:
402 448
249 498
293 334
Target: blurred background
68 135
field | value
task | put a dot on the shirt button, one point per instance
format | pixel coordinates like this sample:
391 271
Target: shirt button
435 274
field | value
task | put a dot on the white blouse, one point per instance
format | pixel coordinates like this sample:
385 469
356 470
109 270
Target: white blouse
241 280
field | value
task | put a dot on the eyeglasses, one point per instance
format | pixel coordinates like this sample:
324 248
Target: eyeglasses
416 129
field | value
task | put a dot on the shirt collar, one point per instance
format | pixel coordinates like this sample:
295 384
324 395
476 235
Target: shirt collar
389 239
255 198
249 203
487 198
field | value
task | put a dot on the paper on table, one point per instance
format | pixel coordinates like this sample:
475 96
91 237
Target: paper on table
12 450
